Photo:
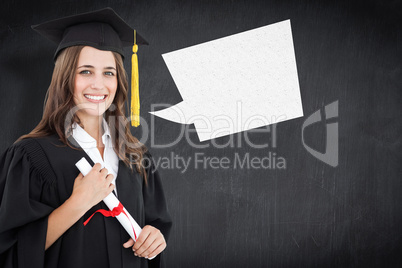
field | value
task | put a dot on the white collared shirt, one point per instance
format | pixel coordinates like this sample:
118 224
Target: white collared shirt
110 159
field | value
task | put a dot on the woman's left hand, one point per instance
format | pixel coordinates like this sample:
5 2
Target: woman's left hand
149 243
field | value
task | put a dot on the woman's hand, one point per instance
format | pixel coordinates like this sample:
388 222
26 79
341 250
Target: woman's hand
87 192
93 188
149 243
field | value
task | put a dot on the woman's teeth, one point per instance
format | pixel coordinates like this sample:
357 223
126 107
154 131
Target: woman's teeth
95 97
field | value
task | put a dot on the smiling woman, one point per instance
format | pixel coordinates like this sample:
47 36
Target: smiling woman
44 199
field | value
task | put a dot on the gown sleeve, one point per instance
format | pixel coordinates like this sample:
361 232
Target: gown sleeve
156 211
23 214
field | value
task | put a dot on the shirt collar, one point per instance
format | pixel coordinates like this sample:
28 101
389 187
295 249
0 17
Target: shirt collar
84 139
106 129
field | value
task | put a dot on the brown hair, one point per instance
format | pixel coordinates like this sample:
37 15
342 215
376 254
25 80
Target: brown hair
59 104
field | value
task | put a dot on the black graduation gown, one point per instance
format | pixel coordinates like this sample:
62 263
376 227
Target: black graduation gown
36 177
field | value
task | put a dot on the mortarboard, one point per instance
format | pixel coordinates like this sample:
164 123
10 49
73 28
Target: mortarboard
102 29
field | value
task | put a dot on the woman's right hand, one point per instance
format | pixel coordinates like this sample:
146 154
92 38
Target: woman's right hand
87 192
93 188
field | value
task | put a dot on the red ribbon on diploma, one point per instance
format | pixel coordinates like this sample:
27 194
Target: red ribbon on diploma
112 213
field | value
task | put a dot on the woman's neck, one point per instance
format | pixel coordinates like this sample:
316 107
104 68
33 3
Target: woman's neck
94 127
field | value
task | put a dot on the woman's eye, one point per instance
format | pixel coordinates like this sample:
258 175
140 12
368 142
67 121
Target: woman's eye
109 73
85 72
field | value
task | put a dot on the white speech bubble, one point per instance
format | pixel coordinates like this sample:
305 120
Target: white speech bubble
236 83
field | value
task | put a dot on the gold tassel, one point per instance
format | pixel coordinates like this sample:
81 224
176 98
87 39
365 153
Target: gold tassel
135 96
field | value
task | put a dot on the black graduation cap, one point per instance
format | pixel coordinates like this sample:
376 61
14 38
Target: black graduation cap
102 29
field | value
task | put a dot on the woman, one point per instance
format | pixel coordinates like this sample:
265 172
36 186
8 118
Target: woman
44 199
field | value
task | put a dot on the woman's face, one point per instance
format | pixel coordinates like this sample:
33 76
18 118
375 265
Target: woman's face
95 82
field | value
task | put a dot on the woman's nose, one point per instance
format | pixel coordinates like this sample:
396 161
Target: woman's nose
97 81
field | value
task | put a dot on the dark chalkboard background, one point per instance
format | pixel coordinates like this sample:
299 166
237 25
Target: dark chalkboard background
309 214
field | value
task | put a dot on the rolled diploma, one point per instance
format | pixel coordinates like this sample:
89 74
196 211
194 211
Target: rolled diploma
111 202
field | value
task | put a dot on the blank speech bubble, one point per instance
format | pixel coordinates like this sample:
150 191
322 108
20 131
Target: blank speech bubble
236 83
